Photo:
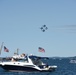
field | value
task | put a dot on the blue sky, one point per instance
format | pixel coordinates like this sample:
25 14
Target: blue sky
20 22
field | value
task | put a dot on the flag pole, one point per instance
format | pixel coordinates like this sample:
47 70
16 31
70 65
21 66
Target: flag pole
1 47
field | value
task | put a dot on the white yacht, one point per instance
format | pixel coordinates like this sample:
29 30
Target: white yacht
26 63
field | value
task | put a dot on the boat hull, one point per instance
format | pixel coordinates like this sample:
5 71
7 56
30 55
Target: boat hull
17 68
24 68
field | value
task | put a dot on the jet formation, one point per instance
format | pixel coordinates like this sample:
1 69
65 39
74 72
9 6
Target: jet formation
44 28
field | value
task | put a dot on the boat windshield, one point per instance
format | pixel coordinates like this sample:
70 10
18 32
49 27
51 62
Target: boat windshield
37 61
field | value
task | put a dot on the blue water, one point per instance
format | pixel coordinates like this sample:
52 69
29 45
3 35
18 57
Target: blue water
64 68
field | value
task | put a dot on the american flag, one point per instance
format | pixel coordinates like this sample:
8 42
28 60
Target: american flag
41 49
6 49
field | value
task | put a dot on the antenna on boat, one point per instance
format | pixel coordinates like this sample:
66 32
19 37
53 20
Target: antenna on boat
17 51
1 47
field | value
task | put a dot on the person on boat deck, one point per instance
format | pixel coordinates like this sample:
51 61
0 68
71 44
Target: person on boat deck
13 59
22 55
